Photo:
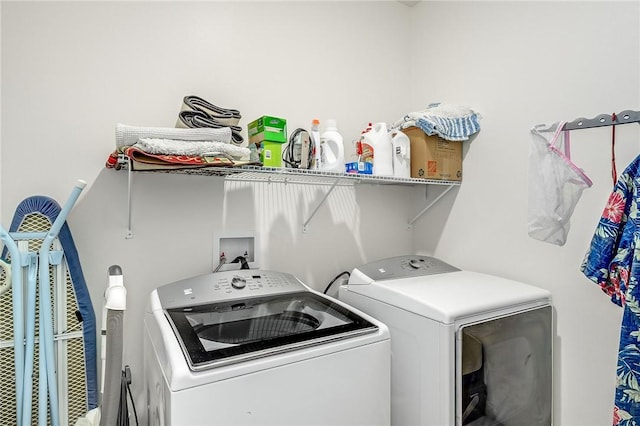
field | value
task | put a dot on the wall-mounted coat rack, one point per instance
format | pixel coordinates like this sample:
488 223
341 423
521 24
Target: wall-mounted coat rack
624 117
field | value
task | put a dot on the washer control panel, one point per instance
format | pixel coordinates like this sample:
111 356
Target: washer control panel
227 285
405 267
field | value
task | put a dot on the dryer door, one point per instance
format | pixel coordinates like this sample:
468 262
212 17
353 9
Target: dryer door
504 370
227 332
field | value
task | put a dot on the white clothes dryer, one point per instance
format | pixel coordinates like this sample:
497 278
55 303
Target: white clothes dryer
466 348
257 347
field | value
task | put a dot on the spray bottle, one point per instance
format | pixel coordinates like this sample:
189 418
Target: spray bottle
315 136
332 148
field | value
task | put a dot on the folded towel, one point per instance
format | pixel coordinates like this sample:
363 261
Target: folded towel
450 122
222 115
199 119
129 135
141 160
179 147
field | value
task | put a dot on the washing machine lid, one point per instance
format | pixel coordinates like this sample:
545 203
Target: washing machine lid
233 331
444 293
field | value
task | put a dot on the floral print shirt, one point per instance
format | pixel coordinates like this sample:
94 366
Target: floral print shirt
613 262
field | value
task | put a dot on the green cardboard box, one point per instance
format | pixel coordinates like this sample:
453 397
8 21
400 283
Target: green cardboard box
271 153
267 128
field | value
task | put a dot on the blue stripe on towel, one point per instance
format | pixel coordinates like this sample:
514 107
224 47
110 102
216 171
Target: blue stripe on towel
453 129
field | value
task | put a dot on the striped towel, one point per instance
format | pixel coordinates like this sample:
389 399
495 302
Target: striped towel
450 122
224 116
200 120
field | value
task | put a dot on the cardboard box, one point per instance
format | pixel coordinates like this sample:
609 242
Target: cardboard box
271 153
267 128
433 157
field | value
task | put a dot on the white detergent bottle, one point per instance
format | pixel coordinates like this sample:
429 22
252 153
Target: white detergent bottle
377 144
401 155
332 148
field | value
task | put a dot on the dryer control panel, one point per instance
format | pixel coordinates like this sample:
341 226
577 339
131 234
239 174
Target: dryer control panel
227 285
403 267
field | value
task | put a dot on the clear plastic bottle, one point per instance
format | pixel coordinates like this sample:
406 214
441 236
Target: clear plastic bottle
315 136
332 148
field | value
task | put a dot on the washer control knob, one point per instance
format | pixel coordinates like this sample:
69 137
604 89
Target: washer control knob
238 282
415 263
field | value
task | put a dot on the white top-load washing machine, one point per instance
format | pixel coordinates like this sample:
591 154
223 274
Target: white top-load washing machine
258 347
466 348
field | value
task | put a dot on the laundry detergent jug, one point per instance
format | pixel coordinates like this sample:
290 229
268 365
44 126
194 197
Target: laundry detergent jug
377 148
332 148
401 155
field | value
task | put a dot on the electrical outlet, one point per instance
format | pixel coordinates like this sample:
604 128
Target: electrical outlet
233 246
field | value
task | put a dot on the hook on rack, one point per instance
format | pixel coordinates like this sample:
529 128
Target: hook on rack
602 120
629 116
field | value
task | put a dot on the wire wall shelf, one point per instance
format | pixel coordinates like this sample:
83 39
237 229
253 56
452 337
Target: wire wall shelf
259 174
286 175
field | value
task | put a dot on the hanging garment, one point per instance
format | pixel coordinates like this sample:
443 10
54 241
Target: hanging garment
613 263
555 184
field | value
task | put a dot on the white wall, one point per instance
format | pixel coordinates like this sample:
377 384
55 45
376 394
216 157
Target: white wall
71 71
521 64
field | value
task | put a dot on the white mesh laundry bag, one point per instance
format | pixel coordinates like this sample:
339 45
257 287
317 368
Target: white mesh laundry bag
555 184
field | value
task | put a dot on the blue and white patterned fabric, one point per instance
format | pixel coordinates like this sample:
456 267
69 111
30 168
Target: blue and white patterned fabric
450 122
613 262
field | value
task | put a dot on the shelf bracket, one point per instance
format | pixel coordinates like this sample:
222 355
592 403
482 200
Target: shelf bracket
304 225
129 234
431 204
